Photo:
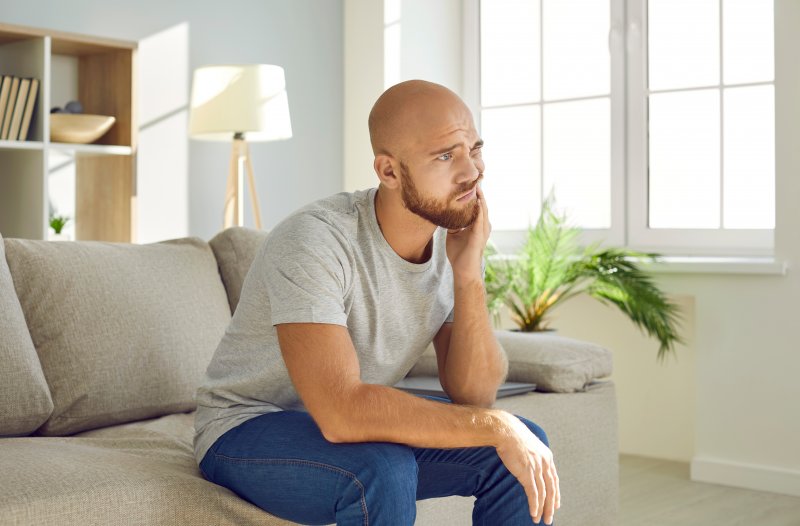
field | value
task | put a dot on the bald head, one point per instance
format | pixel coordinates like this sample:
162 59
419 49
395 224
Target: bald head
406 109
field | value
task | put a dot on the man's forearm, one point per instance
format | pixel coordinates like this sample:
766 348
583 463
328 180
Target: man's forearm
475 365
377 413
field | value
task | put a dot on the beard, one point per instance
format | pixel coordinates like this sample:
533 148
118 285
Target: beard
440 213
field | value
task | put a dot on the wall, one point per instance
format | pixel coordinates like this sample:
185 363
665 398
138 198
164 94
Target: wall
182 181
428 33
730 403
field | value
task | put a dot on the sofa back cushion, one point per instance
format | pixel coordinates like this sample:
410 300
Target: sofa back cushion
123 332
25 401
235 249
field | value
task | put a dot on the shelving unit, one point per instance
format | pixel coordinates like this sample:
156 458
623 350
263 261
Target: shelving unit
100 73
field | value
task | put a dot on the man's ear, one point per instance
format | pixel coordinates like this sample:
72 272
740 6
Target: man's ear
384 166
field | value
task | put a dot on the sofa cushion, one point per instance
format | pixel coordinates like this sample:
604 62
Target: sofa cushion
123 332
25 401
554 363
235 248
137 473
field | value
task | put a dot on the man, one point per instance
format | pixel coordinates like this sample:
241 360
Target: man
297 413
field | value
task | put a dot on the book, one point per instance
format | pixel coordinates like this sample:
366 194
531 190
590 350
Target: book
5 91
19 109
12 98
30 105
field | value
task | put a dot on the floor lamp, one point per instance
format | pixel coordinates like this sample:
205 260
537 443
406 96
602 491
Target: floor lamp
240 103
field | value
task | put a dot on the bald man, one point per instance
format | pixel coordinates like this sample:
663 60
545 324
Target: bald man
297 413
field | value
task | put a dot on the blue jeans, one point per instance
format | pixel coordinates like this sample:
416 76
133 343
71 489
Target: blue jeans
281 463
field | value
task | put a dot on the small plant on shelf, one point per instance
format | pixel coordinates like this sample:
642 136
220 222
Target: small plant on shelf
57 223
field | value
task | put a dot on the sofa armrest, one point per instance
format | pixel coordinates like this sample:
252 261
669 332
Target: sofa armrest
554 363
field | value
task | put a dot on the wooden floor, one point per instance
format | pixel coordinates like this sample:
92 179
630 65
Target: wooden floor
657 492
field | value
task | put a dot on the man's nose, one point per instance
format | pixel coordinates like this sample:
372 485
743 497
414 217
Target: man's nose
468 169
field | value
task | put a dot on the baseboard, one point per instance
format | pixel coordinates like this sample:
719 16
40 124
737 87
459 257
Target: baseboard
750 476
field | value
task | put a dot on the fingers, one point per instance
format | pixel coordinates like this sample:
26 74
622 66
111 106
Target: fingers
558 487
487 227
549 505
533 494
543 494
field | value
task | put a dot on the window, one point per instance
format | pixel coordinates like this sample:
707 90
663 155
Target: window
652 121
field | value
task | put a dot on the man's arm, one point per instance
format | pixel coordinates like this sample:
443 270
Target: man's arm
471 363
323 366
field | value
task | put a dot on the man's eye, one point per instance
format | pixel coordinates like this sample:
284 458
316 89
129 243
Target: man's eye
445 156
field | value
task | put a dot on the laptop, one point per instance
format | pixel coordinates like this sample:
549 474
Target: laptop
429 385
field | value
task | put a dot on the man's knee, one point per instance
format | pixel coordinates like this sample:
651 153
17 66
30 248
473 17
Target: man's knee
389 464
535 429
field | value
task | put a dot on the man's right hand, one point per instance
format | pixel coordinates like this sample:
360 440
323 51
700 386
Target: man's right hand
531 462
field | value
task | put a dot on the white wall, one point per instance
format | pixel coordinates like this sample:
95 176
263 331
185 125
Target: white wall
730 404
430 49
182 182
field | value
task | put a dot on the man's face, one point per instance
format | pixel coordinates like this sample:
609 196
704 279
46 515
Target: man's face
443 165
441 212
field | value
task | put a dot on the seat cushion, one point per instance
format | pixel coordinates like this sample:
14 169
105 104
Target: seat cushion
235 248
25 401
123 332
136 473
554 363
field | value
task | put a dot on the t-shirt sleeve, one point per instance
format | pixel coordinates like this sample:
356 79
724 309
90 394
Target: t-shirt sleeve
307 271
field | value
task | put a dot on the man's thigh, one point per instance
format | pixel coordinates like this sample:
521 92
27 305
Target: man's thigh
283 464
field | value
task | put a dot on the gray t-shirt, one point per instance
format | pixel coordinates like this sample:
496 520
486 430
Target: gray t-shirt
326 263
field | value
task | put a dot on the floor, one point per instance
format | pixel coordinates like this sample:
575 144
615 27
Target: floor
657 492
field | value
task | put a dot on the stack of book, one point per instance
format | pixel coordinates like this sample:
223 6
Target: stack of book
17 102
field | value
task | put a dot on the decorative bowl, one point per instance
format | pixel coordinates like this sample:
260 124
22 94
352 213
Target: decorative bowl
78 127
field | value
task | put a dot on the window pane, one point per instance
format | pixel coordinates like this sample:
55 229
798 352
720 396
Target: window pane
684 178
749 189
748 41
683 43
576 57
509 52
512 176
577 160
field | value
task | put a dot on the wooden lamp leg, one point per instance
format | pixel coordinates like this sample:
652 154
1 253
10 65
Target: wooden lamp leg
252 183
231 212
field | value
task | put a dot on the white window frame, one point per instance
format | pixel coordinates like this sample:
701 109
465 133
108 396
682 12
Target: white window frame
629 131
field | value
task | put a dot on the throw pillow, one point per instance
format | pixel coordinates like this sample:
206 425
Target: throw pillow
554 363
123 332
25 401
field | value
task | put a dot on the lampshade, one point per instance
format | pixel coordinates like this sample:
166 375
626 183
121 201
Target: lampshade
246 98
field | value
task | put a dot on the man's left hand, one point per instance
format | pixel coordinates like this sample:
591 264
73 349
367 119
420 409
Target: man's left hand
465 247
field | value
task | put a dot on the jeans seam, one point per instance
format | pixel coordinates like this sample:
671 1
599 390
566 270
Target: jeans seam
295 461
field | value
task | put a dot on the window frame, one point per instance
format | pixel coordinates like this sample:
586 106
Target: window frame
629 159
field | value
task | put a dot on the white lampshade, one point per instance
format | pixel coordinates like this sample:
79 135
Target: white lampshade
247 98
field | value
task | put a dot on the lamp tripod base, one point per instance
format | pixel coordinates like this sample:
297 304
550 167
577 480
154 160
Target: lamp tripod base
234 190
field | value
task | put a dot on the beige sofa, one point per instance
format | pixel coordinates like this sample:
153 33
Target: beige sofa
103 344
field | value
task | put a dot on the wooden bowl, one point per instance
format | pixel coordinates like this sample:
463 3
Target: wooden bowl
78 128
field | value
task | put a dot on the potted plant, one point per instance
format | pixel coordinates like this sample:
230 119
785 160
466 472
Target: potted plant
57 223
551 268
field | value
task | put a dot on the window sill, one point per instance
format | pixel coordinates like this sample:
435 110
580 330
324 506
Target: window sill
717 265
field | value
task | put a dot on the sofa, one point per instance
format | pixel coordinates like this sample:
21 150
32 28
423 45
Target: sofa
103 345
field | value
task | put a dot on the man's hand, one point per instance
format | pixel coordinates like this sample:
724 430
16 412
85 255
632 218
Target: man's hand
531 462
465 247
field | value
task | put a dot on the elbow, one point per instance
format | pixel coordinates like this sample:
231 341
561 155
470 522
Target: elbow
474 399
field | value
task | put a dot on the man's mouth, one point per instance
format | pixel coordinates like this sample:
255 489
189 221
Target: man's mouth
468 195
